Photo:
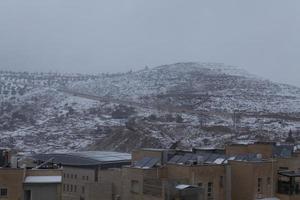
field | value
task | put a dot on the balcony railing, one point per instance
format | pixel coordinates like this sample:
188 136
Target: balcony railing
288 187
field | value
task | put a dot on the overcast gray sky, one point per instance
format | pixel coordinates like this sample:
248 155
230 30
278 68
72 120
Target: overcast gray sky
88 36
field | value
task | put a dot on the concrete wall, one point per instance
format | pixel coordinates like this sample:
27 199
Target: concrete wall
265 149
139 175
140 154
107 185
76 182
111 178
98 191
292 163
44 191
12 179
201 174
44 172
244 180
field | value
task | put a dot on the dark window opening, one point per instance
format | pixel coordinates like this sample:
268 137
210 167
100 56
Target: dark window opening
259 185
210 190
3 192
27 195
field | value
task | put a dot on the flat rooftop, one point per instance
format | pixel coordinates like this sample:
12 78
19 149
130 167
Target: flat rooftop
289 173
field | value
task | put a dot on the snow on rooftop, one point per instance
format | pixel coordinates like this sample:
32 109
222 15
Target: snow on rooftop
183 186
219 161
43 179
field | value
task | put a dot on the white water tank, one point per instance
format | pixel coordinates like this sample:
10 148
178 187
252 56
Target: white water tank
199 160
14 162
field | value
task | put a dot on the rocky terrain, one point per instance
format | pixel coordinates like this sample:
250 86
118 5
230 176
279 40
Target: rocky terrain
187 104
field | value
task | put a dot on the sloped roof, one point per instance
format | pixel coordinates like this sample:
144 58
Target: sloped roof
147 162
85 158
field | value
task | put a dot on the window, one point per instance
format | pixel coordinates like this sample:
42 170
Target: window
87 178
3 192
67 188
75 176
71 188
221 181
75 188
64 188
71 176
200 184
27 195
83 177
82 189
210 190
269 180
259 185
135 186
67 175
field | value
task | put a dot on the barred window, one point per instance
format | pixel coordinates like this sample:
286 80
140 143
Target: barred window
210 190
3 192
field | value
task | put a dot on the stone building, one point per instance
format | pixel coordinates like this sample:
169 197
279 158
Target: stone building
90 175
260 170
30 184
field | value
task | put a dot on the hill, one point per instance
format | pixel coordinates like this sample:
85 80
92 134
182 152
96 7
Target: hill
198 104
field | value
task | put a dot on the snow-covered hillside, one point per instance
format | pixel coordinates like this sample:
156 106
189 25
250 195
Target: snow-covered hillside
198 86
198 104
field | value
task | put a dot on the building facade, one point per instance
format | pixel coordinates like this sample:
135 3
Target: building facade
247 172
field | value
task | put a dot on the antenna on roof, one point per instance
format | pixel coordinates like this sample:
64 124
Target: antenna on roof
44 163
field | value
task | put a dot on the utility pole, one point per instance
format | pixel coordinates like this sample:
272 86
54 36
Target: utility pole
234 120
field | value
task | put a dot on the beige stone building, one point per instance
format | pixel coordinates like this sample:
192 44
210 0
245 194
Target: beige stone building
27 183
247 172
30 184
254 171
90 175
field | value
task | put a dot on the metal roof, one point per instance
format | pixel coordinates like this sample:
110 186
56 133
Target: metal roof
210 158
147 162
43 179
85 158
289 173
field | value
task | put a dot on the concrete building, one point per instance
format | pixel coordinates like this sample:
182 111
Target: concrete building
90 175
238 172
30 184
253 179
252 171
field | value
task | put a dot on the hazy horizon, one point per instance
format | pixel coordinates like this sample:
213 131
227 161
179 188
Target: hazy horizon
117 36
